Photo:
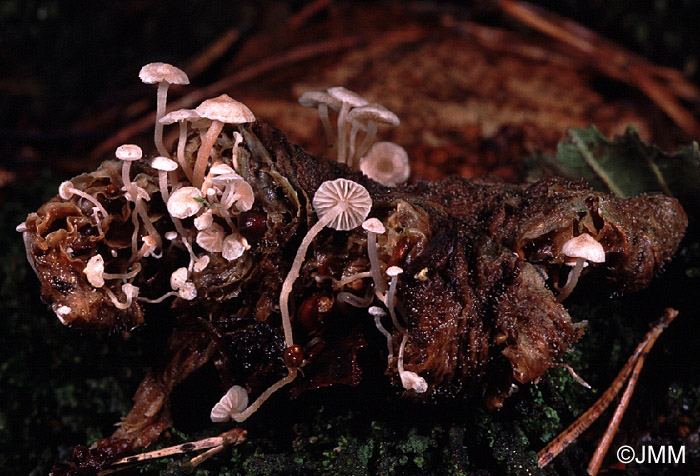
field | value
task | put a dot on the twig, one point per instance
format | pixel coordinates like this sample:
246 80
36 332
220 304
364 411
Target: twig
604 444
202 61
231 437
307 11
568 436
613 61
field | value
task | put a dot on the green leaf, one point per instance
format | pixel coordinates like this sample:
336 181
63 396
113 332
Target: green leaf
627 166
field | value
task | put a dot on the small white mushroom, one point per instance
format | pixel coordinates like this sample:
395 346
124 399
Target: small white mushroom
212 238
377 312
321 100
348 100
129 153
163 165
366 118
222 109
393 272
95 272
340 204
181 116
66 190
233 246
234 401
410 380
130 291
164 74
178 278
184 202
386 163
374 227
582 248
205 220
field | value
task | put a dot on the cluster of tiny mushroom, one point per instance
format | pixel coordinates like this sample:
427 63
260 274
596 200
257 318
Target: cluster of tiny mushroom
204 190
213 193
384 162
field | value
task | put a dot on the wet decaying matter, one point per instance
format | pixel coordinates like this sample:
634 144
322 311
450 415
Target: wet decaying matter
482 268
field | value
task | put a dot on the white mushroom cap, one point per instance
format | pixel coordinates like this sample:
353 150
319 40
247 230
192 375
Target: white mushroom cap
179 115
373 112
130 291
386 163
204 220
374 225
65 190
163 163
242 196
225 109
413 381
235 401
393 271
351 197
212 239
178 278
158 72
200 264
376 311
187 291
347 96
170 235
223 169
233 246
94 271
184 202
584 246
314 98
128 152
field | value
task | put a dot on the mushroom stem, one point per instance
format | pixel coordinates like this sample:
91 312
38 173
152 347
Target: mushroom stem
163 184
129 290
245 414
342 135
161 98
370 136
200 165
390 305
326 122
571 280
293 274
181 141
379 283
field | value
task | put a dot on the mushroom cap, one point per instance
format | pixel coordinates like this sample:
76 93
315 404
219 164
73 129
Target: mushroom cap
128 152
184 202
349 198
163 163
393 271
376 311
243 196
65 190
413 381
233 246
347 96
584 246
204 221
386 163
212 238
159 72
221 169
94 271
374 112
225 109
178 278
235 401
373 225
188 291
179 115
315 98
